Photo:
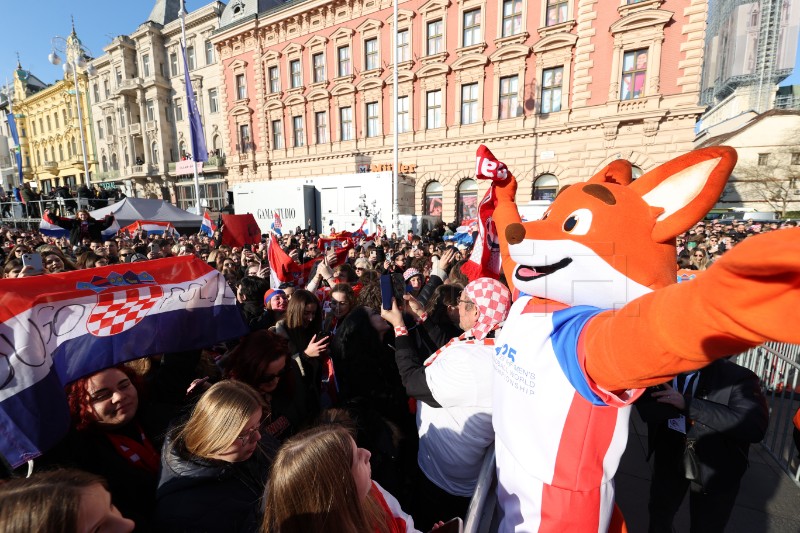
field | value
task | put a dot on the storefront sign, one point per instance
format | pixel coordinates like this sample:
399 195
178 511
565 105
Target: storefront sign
187 167
387 167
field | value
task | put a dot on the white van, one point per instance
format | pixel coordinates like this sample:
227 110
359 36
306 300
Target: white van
756 216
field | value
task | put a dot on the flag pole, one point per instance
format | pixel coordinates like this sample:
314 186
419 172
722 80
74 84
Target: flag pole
395 147
182 15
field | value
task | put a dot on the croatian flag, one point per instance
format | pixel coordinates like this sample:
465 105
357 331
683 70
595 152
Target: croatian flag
58 328
277 225
208 227
151 227
283 268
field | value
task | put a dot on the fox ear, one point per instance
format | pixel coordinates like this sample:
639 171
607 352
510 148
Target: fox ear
686 188
618 172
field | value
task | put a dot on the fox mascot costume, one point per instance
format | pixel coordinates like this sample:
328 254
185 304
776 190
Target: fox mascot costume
599 317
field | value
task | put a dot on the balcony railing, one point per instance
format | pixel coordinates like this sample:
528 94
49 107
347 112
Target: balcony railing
135 129
50 165
216 161
108 175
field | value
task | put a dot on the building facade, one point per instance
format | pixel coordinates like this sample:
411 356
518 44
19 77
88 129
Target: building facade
767 173
50 131
140 112
751 46
555 88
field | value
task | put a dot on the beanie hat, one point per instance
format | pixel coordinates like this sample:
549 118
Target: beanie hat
493 300
271 293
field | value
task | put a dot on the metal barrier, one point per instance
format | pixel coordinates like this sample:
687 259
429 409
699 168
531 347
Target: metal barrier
778 367
16 212
481 514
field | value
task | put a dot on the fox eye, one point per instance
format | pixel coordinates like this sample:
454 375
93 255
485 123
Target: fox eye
578 222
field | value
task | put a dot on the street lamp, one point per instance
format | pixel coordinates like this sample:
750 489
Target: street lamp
75 54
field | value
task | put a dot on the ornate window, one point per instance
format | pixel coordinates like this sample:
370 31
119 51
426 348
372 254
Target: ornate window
296 74
403 122
470 111
434 37
433 109
634 74
346 123
371 58
241 87
509 97
318 61
467 200
277 135
274 79
433 199
343 59
471 32
552 79
512 17
373 120
321 125
545 187
299 134
557 12
403 46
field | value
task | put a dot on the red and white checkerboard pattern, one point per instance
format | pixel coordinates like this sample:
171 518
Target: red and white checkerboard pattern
493 300
119 311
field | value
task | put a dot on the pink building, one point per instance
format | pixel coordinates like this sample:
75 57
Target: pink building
556 88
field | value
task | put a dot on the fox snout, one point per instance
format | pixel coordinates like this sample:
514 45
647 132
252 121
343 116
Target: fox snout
515 233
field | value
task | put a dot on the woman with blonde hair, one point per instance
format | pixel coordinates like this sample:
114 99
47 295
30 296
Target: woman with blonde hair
70 501
214 466
321 481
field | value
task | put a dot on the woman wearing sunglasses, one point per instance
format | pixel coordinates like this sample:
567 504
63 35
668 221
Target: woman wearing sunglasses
215 465
262 361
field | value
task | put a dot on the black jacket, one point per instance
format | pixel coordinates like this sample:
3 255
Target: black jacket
202 495
726 414
94 227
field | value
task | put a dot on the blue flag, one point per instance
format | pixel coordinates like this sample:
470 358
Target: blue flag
199 150
12 126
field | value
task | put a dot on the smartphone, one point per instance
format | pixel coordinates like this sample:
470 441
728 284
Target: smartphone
387 291
34 261
154 247
456 525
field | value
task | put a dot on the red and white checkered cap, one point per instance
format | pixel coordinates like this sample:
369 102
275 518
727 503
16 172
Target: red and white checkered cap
410 273
493 300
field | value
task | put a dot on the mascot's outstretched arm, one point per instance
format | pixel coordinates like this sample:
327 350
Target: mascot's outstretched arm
751 295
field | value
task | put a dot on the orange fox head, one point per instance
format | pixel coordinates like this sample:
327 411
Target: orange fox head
610 240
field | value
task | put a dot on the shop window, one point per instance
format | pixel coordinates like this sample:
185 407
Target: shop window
433 199
467 200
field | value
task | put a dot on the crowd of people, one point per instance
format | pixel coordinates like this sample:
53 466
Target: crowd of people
335 413
63 198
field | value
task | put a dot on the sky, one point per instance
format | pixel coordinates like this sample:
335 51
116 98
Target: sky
30 26
97 23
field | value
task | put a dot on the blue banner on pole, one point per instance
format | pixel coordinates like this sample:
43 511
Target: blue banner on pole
12 126
199 151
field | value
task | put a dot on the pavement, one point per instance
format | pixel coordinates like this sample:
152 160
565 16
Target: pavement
768 501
